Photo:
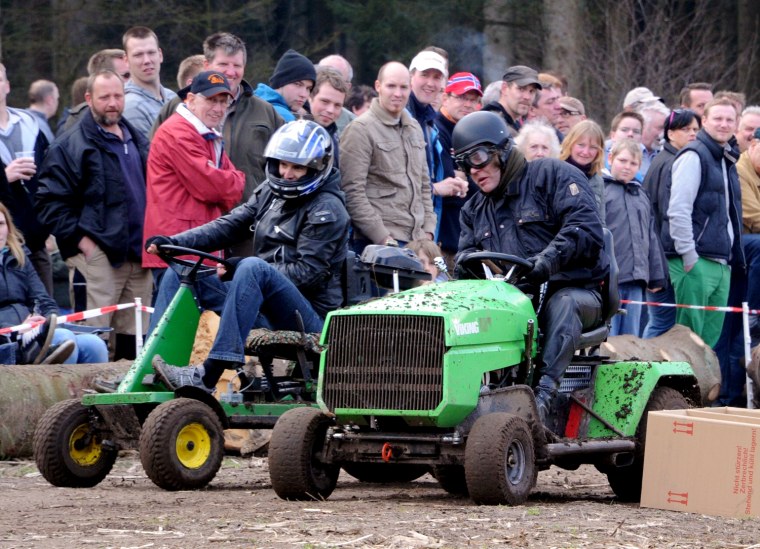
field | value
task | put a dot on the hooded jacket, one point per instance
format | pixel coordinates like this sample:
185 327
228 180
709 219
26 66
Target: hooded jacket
637 246
21 291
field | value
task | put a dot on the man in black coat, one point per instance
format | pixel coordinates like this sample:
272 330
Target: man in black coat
542 211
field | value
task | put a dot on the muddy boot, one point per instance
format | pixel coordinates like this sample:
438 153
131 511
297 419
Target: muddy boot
546 391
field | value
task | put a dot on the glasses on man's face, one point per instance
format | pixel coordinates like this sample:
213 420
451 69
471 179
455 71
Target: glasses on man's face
566 114
634 131
477 158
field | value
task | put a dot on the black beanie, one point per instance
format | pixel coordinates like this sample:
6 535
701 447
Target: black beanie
292 67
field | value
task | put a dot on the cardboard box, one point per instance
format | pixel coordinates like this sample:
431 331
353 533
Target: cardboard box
703 461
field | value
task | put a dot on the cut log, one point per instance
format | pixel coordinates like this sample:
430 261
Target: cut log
27 391
677 344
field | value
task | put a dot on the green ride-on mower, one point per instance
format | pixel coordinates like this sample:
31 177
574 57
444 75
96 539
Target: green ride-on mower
441 377
180 434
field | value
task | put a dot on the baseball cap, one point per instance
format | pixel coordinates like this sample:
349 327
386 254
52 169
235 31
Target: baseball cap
207 84
463 82
522 76
426 60
639 95
572 105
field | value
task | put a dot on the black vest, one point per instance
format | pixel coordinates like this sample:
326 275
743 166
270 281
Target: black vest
709 216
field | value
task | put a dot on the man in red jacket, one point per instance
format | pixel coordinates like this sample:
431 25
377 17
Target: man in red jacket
191 180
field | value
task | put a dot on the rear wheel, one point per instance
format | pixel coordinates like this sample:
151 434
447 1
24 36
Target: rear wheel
182 445
68 450
295 467
626 481
385 473
500 462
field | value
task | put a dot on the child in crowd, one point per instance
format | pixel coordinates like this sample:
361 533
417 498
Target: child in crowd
641 261
431 257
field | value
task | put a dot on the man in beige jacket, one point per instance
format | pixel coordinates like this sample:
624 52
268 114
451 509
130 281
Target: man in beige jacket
383 168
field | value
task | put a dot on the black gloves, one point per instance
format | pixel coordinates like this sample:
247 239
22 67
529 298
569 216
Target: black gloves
159 240
541 271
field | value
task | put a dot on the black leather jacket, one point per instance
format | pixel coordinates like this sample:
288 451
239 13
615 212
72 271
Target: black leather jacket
306 239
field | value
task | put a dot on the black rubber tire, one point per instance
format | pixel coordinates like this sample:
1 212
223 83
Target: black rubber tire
385 473
182 444
626 481
451 478
500 463
294 466
59 452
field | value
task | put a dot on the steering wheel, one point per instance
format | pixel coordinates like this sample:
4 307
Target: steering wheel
493 265
187 268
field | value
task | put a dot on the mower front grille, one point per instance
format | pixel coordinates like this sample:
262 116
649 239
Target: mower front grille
384 362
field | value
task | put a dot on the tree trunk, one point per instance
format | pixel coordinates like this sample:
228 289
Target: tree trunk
563 49
27 391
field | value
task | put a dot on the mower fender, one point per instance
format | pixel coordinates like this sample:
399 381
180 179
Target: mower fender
517 400
203 396
622 390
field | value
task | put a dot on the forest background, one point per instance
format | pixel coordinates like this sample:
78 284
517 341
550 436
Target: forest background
604 48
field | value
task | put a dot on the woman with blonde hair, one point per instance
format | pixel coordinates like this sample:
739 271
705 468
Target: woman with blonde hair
583 147
25 299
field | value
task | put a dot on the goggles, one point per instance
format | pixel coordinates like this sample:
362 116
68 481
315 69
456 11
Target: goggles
478 157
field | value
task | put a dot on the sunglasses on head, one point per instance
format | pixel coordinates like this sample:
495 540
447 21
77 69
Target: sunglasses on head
477 158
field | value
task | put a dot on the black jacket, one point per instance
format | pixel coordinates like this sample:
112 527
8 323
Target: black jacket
306 239
21 292
514 125
82 192
546 211
657 184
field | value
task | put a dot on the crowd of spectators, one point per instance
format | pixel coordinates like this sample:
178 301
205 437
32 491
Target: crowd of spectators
676 182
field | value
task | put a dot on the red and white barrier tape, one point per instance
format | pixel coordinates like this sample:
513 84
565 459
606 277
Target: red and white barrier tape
684 306
74 317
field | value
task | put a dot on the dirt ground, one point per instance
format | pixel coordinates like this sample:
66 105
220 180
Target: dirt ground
568 509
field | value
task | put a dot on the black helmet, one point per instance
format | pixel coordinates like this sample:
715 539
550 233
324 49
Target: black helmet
305 143
477 137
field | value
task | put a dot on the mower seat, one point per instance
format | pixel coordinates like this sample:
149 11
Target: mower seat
610 299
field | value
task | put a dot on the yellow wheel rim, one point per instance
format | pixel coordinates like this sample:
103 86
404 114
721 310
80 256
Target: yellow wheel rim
84 453
193 445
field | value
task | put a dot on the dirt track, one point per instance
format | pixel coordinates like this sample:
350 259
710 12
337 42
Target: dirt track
239 509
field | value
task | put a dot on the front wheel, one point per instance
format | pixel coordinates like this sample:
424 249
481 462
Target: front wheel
68 450
182 445
295 467
626 481
500 461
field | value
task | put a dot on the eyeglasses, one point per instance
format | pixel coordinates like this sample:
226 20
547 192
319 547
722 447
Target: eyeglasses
477 158
223 100
634 131
565 113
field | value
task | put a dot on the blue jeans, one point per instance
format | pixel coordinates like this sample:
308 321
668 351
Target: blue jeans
629 323
257 289
661 319
90 349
